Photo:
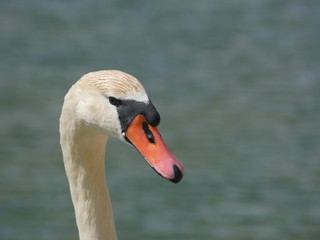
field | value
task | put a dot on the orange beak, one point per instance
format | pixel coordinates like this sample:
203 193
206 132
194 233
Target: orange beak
148 141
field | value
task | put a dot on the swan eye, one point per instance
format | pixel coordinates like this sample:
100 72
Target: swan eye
114 101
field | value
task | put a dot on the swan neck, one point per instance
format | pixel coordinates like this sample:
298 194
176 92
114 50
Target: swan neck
84 152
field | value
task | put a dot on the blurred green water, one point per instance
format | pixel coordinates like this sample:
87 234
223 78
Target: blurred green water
237 85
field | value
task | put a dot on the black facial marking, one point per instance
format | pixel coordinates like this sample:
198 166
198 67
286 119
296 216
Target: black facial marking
148 133
129 109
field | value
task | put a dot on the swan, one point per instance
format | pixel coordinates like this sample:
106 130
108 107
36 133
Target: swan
102 104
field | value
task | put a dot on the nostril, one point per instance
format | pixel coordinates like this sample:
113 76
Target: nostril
148 133
177 174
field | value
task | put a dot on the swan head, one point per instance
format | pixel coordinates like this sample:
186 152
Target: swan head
115 104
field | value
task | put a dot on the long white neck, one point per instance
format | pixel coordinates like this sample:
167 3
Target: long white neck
83 153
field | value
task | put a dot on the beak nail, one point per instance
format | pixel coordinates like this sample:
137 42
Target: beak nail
177 174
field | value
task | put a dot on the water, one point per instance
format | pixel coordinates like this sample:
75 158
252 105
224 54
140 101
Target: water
237 85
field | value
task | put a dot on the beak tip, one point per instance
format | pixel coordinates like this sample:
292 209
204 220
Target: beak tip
177 174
